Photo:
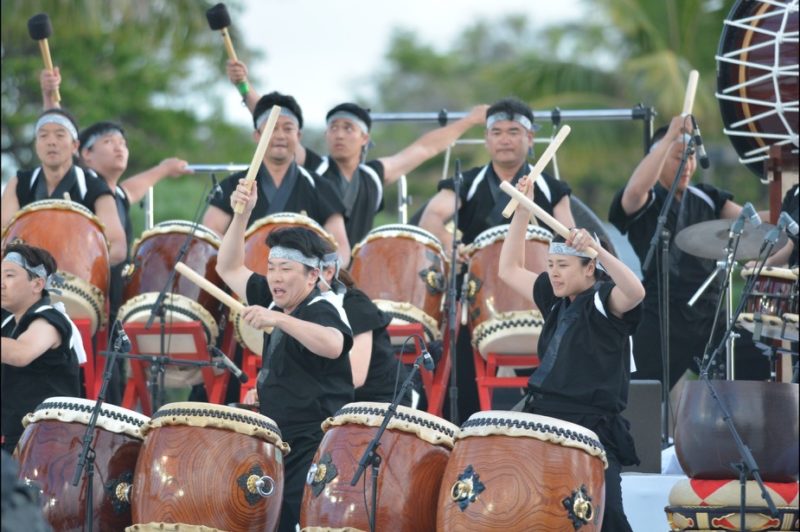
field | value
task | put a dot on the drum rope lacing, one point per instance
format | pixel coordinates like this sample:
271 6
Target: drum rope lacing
536 427
230 416
404 228
370 411
88 409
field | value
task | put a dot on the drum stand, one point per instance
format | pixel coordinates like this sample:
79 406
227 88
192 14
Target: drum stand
371 455
722 266
451 299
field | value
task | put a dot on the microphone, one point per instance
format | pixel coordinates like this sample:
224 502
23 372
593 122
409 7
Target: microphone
216 189
698 142
748 212
427 359
239 374
122 344
785 221
457 173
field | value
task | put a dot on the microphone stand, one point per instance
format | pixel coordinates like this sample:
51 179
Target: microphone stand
87 455
371 455
451 298
661 234
748 465
157 369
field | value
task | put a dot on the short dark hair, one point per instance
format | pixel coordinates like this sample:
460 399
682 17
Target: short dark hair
266 102
511 106
303 240
355 109
34 256
98 128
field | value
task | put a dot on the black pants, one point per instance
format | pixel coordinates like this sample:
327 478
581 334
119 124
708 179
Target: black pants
614 519
304 441
468 402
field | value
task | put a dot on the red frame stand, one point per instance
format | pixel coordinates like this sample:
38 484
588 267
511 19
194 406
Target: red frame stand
486 373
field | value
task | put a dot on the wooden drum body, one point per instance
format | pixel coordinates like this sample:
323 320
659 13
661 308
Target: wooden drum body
502 321
76 239
771 304
256 254
764 413
48 453
403 269
210 465
414 449
517 471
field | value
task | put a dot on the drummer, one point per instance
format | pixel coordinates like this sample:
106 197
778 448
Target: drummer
634 210
59 175
306 374
41 347
284 185
584 347
509 135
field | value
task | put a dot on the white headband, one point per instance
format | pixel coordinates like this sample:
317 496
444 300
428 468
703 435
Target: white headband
96 136
61 120
348 116
39 271
284 112
516 117
281 252
561 248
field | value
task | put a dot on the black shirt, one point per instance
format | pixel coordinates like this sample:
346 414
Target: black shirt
299 386
687 272
310 194
362 197
84 187
482 200
791 206
115 282
54 373
588 370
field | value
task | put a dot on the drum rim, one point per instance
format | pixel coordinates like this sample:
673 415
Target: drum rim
58 205
405 311
167 227
202 315
85 291
53 408
304 220
530 320
502 230
772 271
411 232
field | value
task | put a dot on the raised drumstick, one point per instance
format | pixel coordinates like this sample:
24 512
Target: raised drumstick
39 28
209 287
557 226
219 19
548 154
258 156
691 90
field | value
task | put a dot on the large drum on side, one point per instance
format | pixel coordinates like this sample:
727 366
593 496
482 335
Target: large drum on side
765 415
771 304
76 239
256 254
210 465
757 79
154 256
414 451
517 471
48 454
502 321
403 269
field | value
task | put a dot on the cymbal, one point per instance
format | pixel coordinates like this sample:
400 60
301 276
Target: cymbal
707 240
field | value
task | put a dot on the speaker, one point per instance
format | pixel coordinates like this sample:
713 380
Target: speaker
644 413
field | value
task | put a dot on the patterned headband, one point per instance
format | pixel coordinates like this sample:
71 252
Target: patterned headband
351 117
61 120
281 252
284 112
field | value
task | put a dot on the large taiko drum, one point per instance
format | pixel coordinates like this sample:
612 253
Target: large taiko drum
48 453
518 471
154 256
256 254
403 269
764 413
210 465
757 79
76 239
772 302
500 320
414 452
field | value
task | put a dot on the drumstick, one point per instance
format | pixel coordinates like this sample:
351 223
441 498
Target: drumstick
39 28
540 164
258 156
209 287
557 226
691 89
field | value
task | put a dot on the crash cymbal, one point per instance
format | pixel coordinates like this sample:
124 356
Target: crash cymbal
707 240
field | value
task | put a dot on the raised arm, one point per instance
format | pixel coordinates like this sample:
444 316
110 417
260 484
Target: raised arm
429 145
50 81
230 259
439 210
237 73
136 186
512 269
106 210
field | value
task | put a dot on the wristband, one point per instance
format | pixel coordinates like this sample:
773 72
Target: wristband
243 88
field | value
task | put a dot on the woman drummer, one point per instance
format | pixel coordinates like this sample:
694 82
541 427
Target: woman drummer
584 345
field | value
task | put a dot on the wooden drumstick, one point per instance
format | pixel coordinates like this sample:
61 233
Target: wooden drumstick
258 156
691 90
548 154
557 226
209 287
39 28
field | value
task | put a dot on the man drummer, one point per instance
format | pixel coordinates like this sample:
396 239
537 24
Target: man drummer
59 175
635 211
40 344
284 185
306 374
509 136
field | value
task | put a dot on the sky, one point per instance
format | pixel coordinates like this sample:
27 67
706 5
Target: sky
323 51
